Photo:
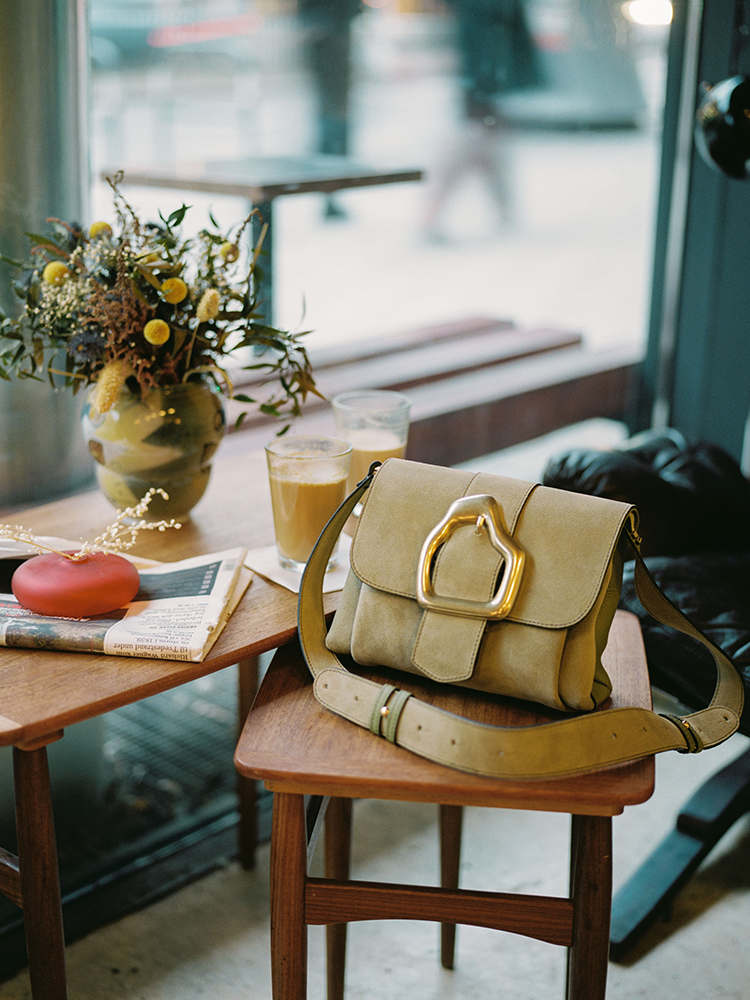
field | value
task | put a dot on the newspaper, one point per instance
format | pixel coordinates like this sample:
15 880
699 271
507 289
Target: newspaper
177 614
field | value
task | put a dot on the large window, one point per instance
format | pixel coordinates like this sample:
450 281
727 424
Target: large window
538 206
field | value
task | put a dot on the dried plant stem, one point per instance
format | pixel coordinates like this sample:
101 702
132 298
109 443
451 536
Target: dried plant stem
113 539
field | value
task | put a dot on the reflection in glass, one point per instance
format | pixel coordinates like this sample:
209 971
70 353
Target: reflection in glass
548 211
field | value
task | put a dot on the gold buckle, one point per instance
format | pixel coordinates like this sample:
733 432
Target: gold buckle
484 512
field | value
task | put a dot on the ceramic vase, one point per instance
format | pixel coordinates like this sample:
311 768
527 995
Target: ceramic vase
166 439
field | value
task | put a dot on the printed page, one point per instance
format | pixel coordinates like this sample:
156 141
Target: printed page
178 613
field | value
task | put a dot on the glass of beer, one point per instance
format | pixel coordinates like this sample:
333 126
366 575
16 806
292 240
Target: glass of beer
307 476
376 423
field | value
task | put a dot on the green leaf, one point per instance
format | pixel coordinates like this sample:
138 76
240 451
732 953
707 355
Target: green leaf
177 217
12 262
252 368
44 241
169 241
179 338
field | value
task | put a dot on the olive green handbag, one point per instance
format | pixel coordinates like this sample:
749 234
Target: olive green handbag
503 586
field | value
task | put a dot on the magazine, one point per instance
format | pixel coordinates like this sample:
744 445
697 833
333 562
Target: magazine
177 614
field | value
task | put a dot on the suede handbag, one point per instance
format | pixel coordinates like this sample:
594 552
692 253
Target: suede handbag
503 586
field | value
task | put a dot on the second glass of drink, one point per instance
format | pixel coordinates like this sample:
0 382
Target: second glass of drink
376 423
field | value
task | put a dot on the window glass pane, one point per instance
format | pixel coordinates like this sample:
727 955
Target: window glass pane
537 126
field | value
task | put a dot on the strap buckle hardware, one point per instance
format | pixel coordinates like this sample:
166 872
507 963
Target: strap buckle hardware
484 513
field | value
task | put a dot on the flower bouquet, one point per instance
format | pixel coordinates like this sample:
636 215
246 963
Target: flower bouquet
140 304
160 326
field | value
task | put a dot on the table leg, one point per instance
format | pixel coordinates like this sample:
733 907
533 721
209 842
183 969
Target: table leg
40 878
288 876
591 892
450 861
246 787
337 866
264 287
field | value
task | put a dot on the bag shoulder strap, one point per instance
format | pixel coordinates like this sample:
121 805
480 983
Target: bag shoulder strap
580 743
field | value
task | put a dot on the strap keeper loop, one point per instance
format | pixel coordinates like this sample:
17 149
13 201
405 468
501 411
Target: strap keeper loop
379 710
394 714
693 742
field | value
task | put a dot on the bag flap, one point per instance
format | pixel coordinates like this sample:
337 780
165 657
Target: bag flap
568 538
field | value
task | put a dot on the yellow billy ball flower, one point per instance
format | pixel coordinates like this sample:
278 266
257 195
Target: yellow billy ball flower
208 307
55 273
100 229
156 332
174 290
229 251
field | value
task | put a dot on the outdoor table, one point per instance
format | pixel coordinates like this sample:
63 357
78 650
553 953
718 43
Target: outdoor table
43 692
263 179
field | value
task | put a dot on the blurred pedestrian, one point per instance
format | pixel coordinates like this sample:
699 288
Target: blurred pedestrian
327 43
497 56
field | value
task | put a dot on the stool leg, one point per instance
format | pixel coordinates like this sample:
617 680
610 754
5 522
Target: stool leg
40 877
337 866
591 892
450 860
288 877
247 831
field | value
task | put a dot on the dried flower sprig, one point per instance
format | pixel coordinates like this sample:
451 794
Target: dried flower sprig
116 537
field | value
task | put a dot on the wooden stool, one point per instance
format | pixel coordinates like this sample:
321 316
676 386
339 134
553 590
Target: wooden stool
298 748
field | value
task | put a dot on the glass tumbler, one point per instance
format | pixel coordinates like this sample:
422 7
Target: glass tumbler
307 476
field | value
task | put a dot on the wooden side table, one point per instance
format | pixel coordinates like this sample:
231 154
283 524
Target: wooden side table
42 693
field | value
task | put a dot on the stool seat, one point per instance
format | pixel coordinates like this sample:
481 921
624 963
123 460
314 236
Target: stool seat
298 748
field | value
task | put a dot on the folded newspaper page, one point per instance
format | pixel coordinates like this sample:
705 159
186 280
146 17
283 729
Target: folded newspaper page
177 614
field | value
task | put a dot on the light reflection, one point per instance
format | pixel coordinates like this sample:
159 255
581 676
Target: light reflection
648 12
